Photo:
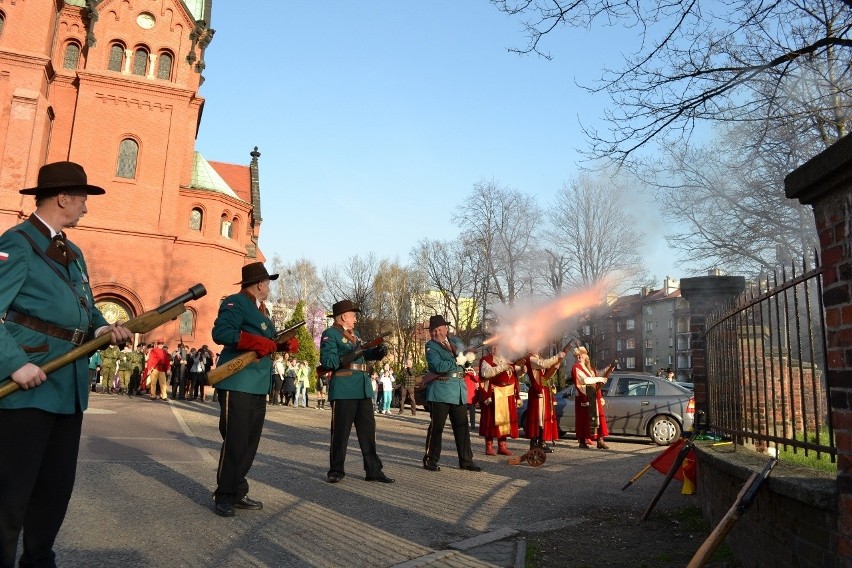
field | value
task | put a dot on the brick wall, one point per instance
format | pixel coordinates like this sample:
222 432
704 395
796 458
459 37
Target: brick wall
136 238
825 183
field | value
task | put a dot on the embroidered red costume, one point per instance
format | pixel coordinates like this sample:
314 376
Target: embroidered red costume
589 426
499 396
541 424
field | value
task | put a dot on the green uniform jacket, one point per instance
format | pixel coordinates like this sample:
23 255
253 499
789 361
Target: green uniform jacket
239 312
442 361
31 287
345 383
109 360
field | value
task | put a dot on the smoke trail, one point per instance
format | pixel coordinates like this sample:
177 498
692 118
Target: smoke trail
530 327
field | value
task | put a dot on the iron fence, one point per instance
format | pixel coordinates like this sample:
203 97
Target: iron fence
766 361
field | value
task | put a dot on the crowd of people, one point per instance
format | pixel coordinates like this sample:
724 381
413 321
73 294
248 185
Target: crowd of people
151 369
47 295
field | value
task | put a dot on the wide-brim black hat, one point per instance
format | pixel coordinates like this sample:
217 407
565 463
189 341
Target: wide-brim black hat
437 321
60 177
341 307
254 273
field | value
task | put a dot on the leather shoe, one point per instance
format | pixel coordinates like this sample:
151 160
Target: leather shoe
246 503
381 478
471 467
431 466
224 509
334 477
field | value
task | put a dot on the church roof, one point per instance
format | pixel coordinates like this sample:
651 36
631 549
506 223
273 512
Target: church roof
236 176
195 7
205 176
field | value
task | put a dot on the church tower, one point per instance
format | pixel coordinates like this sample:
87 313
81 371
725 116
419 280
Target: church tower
114 85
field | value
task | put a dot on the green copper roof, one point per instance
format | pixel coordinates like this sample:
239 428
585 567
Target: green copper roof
196 8
205 177
80 3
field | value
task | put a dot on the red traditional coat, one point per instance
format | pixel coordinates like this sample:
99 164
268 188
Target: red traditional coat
499 393
583 426
541 415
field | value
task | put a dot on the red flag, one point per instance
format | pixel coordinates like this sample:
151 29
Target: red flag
663 462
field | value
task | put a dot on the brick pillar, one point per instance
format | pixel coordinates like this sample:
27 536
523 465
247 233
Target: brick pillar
705 294
825 182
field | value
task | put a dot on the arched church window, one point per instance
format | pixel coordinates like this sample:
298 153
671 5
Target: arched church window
227 230
186 323
164 66
140 62
116 57
72 56
128 154
195 219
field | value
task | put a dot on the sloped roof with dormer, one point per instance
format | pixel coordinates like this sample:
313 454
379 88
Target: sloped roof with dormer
205 176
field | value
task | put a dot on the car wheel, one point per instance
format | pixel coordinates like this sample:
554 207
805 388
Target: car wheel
664 430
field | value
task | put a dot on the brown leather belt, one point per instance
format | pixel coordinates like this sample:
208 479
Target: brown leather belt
358 367
447 376
75 336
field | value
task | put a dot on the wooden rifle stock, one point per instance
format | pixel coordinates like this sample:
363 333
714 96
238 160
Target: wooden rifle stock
140 324
743 502
246 358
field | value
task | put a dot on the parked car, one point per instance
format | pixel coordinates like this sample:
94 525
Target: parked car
637 404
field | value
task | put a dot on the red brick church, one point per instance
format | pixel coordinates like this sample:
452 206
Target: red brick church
113 85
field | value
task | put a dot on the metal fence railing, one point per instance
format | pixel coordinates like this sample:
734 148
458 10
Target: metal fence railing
766 361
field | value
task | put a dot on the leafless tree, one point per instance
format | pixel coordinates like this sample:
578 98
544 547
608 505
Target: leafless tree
451 270
353 280
694 60
396 289
736 216
500 226
591 236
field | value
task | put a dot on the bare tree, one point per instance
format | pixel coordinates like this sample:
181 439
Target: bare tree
300 282
696 60
395 290
450 270
353 280
737 216
591 235
501 226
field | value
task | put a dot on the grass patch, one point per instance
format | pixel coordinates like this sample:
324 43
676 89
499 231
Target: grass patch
798 457
531 554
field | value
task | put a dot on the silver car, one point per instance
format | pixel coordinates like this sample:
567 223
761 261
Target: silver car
637 404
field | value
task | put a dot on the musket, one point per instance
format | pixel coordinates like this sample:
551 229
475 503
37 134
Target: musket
548 374
358 352
140 324
744 500
246 358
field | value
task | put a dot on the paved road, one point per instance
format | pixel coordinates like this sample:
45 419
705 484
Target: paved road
147 470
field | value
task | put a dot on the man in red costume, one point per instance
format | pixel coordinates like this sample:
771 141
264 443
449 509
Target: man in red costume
499 399
158 365
542 425
590 419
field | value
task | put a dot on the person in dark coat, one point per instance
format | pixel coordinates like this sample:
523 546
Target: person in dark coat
243 324
350 392
49 309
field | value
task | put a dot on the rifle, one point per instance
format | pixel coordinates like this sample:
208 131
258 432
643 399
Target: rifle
548 374
358 352
744 500
246 358
140 324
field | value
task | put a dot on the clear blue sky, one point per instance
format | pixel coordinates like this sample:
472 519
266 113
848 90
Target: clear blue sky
375 119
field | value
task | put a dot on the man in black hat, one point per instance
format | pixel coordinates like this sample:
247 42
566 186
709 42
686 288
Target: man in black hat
243 324
350 392
49 309
446 393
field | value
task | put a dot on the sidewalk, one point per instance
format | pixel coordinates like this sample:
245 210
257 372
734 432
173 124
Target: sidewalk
147 470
